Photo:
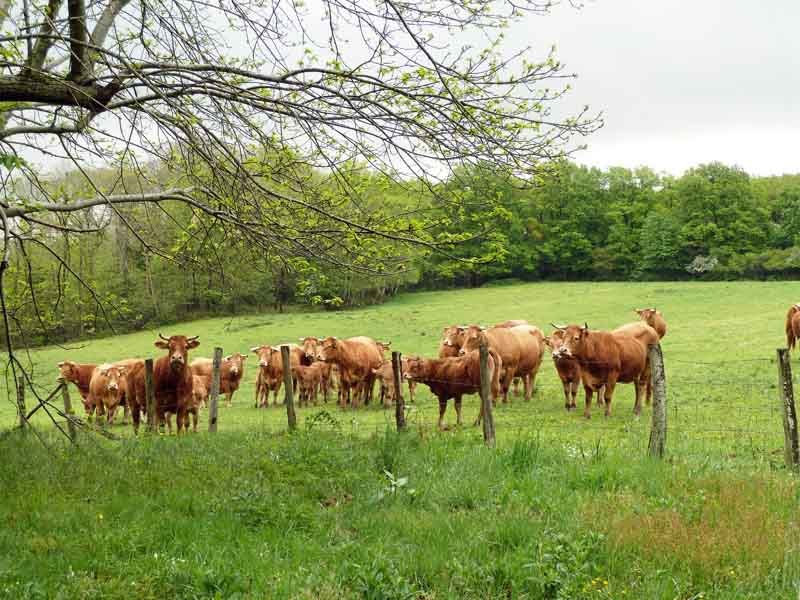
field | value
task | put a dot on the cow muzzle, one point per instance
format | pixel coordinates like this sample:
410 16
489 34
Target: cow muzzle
113 387
176 361
263 363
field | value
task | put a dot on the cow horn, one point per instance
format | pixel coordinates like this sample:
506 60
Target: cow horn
193 338
561 327
166 339
585 325
255 348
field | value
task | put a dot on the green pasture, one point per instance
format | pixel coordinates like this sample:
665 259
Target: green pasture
563 508
719 355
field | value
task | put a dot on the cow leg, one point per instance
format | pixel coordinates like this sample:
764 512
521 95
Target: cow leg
574 392
457 404
229 399
587 411
506 384
181 421
528 383
567 386
516 386
609 392
442 409
412 388
135 417
194 420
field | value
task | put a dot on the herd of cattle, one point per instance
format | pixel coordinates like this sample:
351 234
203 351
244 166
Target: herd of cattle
319 366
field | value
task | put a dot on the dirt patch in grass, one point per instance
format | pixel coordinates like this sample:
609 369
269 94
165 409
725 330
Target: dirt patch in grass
725 527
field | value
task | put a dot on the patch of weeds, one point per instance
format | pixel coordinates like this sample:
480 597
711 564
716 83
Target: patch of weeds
389 448
381 579
564 565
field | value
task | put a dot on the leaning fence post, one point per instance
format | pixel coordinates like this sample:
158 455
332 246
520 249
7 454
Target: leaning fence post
791 447
68 410
150 397
486 394
21 402
658 429
213 400
399 404
287 383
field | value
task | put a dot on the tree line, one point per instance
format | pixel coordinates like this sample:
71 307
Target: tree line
141 265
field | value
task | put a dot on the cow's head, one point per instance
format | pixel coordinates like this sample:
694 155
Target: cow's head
236 363
574 340
177 347
310 346
555 342
472 339
328 349
648 315
413 368
113 376
264 354
454 336
68 370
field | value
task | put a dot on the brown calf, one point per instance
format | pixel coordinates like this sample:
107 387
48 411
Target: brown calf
230 373
606 358
106 389
568 369
502 341
308 382
81 375
355 357
453 378
792 326
653 318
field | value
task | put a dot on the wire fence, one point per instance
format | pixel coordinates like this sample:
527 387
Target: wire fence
724 411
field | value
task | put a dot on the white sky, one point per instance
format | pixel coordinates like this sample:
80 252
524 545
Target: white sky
682 82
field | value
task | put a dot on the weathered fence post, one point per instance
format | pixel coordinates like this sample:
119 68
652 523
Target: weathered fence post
21 402
150 397
68 410
287 383
486 394
213 399
658 429
791 446
399 403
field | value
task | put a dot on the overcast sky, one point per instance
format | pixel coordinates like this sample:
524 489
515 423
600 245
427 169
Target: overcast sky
683 81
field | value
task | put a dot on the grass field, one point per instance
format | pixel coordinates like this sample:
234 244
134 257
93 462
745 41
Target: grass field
564 508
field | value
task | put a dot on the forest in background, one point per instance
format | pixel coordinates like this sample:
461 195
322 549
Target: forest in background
571 223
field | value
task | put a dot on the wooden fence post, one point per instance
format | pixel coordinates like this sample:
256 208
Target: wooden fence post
68 411
150 397
399 403
791 446
287 383
486 394
21 402
658 429
213 397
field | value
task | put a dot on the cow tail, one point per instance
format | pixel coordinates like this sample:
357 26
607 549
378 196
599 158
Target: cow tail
791 340
498 367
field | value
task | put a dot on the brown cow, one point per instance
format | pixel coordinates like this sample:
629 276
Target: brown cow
308 382
606 358
453 378
81 375
568 369
172 382
106 389
648 336
270 372
531 341
230 373
356 357
385 376
502 341
792 326
653 318
511 323
452 340
200 391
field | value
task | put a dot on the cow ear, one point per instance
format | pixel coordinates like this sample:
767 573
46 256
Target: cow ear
229 357
192 344
387 344
254 349
61 364
162 344
302 339
122 370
